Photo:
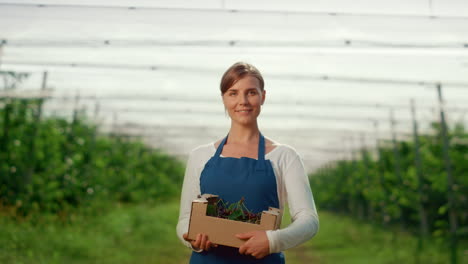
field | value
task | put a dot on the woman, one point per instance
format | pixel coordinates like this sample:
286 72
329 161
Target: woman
245 164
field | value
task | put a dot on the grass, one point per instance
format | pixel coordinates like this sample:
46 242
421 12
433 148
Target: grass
344 240
146 234
122 234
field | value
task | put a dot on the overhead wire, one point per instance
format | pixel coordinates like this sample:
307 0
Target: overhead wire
304 103
288 116
336 132
311 76
345 42
237 10
182 130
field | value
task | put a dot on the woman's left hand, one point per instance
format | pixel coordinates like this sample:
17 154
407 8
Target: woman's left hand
256 245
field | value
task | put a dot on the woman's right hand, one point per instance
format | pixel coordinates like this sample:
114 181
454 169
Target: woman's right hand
201 242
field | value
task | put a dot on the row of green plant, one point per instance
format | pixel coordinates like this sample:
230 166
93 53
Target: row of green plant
53 164
391 188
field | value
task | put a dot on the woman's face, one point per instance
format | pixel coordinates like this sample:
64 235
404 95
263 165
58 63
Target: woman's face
243 100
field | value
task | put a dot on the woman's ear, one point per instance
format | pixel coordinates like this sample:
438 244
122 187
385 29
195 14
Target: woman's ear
263 96
224 105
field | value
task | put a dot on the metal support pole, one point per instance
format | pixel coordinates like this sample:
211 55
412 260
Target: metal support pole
397 167
423 222
396 152
114 124
97 107
370 209
380 170
345 171
68 145
2 43
34 132
89 156
360 201
450 180
354 181
76 108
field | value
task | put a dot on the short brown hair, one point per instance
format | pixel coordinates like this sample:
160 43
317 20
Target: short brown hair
238 71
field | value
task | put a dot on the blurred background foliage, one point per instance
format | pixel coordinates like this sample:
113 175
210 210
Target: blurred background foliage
369 187
70 193
53 164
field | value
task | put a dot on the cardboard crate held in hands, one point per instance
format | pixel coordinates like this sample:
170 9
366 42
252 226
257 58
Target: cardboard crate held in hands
223 231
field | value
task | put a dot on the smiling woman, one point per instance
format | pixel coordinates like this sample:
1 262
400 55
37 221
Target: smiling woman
243 165
243 93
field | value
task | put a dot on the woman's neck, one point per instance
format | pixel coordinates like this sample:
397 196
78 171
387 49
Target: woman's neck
243 134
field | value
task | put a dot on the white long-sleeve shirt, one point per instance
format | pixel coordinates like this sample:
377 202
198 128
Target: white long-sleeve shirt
293 189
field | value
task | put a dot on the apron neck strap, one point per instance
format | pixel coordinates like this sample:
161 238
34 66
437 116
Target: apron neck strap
220 147
261 147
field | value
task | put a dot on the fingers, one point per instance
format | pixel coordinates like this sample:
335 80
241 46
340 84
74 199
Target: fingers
250 251
257 244
245 236
242 249
203 239
258 256
201 242
196 243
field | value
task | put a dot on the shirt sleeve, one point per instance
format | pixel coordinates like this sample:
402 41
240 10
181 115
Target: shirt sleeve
190 190
304 219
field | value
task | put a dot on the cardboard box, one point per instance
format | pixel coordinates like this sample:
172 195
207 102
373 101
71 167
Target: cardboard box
222 231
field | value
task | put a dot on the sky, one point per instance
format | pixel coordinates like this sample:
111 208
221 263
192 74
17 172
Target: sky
331 68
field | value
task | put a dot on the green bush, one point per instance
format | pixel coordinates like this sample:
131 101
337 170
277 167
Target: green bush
370 188
54 164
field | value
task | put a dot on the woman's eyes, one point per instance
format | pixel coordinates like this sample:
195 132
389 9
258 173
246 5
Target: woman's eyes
252 92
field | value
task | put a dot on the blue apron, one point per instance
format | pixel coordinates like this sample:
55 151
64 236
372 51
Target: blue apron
232 179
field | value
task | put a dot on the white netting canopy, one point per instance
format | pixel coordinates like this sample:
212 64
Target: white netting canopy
332 68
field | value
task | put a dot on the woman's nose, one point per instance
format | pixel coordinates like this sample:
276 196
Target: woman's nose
243 99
